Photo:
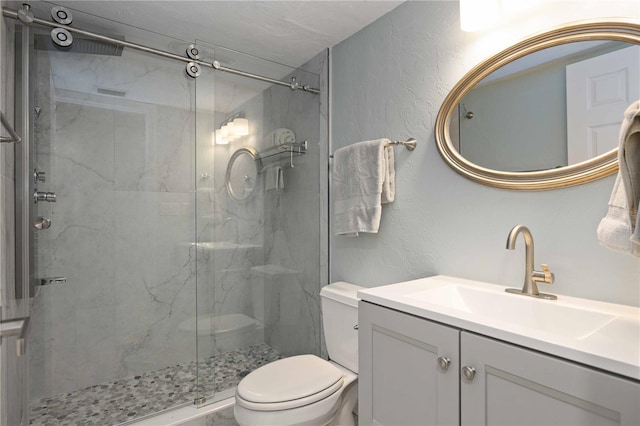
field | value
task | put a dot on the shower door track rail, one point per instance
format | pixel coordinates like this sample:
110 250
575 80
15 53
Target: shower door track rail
293 85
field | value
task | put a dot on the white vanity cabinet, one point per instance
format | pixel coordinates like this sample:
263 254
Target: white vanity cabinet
401 381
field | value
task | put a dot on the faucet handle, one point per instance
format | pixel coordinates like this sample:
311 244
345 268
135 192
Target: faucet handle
545 276
549 277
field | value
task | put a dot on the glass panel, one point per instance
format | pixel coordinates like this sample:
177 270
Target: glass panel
111 338
13 306
259 236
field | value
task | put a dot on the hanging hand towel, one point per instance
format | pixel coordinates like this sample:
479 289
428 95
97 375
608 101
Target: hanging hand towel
619 230
274 178
363 179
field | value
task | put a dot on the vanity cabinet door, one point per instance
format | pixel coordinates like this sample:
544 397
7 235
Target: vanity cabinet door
400 379
516 386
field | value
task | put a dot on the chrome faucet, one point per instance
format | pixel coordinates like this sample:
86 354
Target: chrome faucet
531 276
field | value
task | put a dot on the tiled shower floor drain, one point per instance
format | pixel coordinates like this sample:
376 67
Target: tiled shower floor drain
136 396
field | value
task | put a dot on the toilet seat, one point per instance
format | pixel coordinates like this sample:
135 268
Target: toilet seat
289 383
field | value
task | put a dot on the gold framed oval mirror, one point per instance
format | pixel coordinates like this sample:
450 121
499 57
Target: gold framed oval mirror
485 100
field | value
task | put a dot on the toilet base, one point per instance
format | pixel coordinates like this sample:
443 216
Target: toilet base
345 416
322 413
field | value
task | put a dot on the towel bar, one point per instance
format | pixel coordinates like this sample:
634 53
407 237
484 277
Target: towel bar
410 144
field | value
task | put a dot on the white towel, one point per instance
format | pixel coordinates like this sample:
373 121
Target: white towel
274 178
282 136
619 230
363 179
280 178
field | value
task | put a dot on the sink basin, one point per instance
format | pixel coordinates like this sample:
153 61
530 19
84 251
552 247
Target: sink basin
595 333
548 317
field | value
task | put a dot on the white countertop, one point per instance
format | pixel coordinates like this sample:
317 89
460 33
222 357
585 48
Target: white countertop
599 334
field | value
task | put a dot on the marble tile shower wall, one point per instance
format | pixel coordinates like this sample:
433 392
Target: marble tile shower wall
121 233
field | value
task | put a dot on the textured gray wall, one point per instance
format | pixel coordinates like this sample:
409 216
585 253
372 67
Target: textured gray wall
389 80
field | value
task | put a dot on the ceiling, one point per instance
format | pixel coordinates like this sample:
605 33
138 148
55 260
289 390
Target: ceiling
287 32
283 32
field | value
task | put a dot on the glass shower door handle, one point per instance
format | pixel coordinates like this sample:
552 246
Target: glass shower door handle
15 327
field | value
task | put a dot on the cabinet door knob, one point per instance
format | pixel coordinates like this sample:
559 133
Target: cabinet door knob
468 373
443 363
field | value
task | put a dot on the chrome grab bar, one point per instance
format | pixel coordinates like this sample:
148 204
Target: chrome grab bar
14 136
15 327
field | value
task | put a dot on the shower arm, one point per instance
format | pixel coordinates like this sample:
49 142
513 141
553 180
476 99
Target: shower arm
293 85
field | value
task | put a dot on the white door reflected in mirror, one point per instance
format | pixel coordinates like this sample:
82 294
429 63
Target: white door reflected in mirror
599 90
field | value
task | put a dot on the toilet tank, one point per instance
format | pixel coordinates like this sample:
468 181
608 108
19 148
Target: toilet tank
339 320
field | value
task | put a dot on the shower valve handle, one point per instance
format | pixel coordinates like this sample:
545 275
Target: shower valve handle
49 197
39 176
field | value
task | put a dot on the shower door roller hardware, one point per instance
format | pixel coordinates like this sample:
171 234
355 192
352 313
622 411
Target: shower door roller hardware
25 14
49 197
15 327
468 373
193 69
193 52
61 37
39 176
61 15
41 223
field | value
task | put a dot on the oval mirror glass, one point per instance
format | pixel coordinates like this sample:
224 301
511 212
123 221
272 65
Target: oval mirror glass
242 173
546 112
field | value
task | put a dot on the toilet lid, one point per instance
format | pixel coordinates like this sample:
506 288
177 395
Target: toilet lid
290 379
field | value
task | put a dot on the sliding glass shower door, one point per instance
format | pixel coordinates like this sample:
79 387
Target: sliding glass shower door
114 143
176 222
258 214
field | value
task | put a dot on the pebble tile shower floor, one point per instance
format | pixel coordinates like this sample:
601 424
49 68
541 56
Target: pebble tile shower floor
130 398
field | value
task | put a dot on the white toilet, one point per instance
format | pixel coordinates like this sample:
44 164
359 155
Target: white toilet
306 389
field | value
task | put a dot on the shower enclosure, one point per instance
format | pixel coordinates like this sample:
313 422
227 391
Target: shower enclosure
159 271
